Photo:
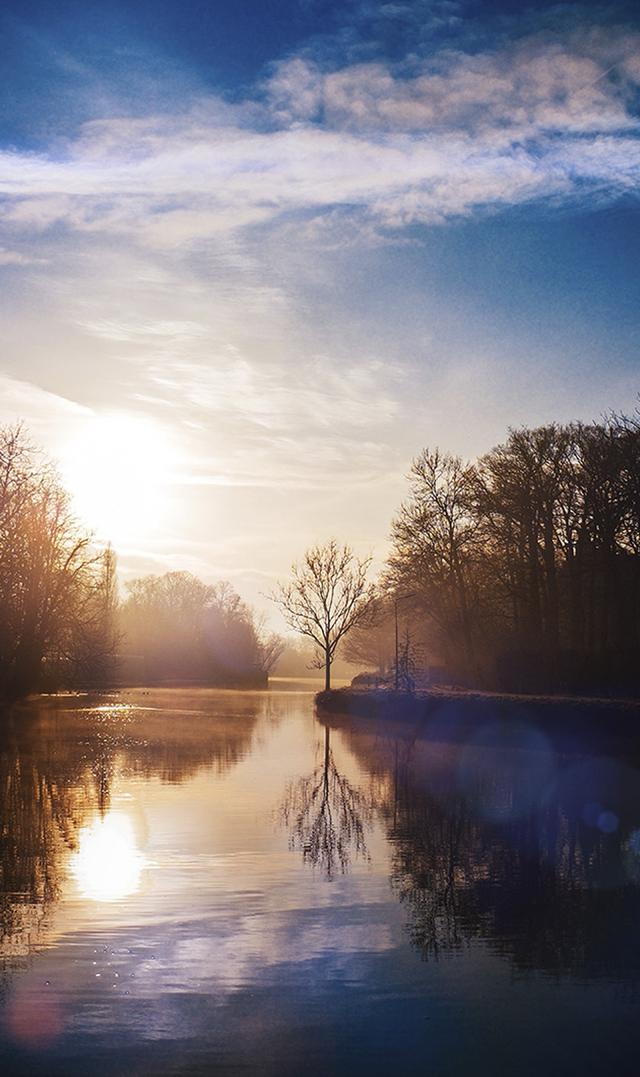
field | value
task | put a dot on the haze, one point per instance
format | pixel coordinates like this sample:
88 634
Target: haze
250 271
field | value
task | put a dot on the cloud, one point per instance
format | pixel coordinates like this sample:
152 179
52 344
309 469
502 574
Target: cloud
45 414
17 258
231 270
320 395
152 331
273 423
420 141
227 363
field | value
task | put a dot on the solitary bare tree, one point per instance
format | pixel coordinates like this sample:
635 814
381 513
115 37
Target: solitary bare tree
327 596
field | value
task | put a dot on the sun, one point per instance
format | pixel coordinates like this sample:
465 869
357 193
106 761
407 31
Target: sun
118 471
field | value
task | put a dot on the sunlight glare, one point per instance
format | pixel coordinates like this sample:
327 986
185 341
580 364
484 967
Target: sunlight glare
108 864
117 470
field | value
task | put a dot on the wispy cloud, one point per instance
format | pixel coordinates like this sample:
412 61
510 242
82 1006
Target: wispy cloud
421 140
18 258
44 411
237 270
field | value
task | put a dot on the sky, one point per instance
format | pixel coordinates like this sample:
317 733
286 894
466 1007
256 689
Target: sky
255 256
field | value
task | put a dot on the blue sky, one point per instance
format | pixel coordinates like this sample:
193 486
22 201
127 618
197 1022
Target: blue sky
272 250
85 59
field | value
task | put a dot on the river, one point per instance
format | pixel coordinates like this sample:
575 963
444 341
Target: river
196 881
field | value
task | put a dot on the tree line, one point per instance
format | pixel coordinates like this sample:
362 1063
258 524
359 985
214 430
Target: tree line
62 623
526 563
519 571
175 627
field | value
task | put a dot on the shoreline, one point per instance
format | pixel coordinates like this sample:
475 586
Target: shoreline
431 696
572 722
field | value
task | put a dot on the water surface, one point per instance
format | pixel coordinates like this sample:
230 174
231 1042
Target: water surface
196 881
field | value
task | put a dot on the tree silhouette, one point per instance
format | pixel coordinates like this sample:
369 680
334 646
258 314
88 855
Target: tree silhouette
327 596
527 562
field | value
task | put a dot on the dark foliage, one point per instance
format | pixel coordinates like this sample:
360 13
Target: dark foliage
527 563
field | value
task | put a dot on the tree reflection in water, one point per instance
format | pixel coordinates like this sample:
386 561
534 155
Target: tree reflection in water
510 845
58 759
327 816
537 857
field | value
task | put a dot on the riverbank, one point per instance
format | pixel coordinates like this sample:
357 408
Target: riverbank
457 713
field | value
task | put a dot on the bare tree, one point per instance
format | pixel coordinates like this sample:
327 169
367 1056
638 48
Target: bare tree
327 596
435 539
93 639
49 569
527 563
371 642
269 646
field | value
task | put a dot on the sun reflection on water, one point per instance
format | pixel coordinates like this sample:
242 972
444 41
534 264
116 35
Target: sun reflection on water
108 864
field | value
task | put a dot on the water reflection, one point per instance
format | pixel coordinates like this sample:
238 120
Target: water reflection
535 853
108 864
58 759
327 816
174 928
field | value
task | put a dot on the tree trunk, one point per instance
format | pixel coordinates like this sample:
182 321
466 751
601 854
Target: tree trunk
327 671
552 625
